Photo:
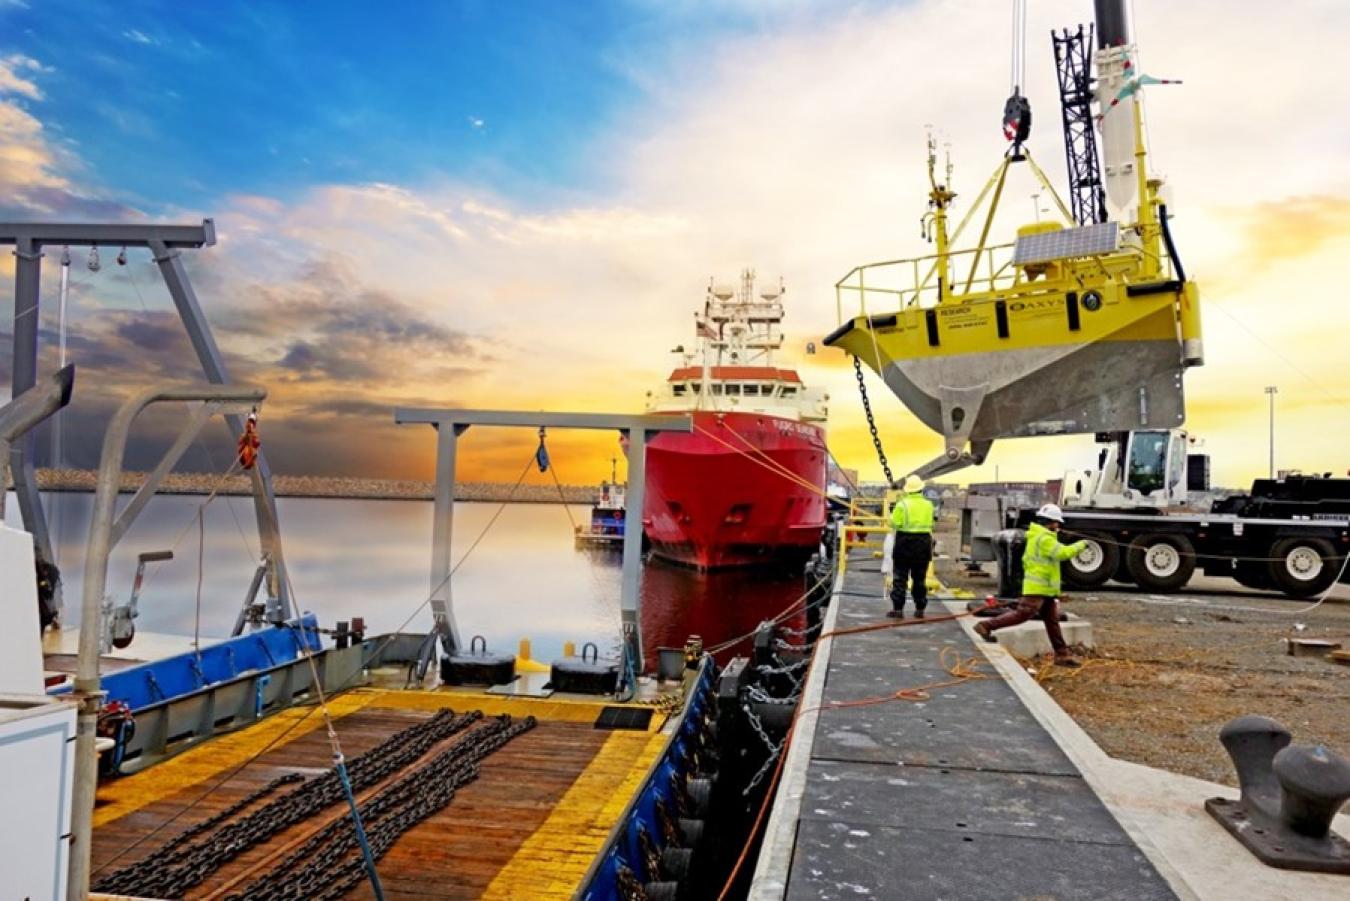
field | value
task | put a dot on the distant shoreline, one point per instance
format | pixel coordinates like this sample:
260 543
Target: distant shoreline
83 480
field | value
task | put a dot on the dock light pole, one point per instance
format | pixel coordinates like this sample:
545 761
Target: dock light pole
1271 390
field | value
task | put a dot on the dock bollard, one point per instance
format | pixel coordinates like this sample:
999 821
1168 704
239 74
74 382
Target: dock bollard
1252 743
1289 796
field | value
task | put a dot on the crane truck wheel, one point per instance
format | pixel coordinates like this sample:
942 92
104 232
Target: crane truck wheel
1162 563
1095 564
1303 567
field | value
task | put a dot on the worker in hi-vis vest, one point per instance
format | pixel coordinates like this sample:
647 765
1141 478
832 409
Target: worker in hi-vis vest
1040 582
912 519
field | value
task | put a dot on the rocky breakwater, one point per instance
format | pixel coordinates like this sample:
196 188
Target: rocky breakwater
316 486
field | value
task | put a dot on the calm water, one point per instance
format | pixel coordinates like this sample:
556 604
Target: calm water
520 577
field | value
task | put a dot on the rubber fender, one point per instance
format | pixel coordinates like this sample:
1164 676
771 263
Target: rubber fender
700 795
675 862
775 717
662 891
692 831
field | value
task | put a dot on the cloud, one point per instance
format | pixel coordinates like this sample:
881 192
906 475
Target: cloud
14 72
794 143
36 172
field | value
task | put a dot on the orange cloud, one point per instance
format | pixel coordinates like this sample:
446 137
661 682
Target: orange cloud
1292 229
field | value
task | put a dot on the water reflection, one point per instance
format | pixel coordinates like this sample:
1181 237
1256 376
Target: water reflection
717 607
518 573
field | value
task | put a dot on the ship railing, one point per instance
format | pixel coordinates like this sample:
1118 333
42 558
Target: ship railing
890 286
865 530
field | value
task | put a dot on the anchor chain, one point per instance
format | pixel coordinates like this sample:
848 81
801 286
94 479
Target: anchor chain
329 865
774 750
172 871
871 423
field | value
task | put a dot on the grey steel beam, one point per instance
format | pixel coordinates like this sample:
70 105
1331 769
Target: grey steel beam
631 577
442 536
450 424
23 375
538 418
81 234
28 239
213 364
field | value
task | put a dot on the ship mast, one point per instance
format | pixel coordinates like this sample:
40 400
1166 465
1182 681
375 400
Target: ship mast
940 196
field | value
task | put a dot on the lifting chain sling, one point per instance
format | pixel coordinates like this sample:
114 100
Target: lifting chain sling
871 422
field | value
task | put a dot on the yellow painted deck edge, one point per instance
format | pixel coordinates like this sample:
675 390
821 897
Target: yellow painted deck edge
492 705
552 861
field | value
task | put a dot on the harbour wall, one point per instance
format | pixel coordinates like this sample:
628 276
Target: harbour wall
315 486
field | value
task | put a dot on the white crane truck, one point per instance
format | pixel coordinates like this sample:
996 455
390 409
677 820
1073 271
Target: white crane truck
1290 534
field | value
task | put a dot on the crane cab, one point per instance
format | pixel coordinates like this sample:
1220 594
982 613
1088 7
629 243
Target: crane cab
1151 469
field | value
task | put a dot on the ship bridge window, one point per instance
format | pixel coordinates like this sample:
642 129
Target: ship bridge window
789 390
695 387
752 391
679 390
715 388
734 389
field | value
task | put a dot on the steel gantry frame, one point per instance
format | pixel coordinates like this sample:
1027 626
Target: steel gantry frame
450 424
164 243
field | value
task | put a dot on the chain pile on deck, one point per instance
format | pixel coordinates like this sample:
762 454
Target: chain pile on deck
330 866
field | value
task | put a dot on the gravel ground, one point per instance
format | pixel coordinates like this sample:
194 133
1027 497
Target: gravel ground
1168 671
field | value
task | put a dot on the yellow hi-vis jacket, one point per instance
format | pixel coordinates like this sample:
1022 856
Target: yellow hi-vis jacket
912 513
1040 561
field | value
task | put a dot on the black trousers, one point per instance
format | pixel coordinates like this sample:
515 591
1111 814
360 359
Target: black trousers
909 561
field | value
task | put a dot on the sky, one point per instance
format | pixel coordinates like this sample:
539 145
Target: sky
518 204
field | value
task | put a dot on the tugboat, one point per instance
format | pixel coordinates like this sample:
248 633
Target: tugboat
608 518
747 485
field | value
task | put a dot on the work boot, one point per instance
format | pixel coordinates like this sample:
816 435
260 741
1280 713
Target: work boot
896 614
1067 661
983 630
918 614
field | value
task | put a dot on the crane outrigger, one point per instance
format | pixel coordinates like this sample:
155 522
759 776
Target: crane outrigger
1080 326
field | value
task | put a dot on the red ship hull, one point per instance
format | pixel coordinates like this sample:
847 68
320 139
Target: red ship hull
741 489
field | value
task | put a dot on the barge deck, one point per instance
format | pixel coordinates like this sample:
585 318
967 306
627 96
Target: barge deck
529 825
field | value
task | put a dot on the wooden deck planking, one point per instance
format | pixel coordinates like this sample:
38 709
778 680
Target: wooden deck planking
455 854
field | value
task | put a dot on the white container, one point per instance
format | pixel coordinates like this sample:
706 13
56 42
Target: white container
37 759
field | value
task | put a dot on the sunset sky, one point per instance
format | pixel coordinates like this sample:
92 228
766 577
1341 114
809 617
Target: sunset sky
518 204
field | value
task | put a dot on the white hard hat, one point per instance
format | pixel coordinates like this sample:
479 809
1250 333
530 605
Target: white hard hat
1051 512
913 485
